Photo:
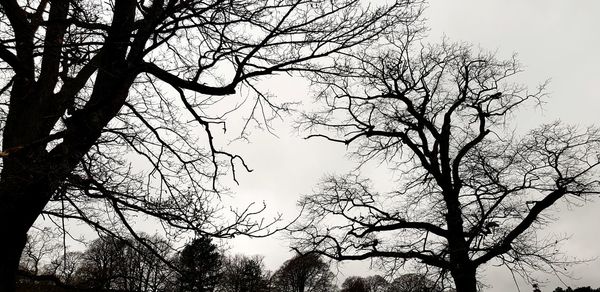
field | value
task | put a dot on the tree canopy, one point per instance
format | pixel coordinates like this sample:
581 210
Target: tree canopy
304 273
109 109
468 190
200 265
113 111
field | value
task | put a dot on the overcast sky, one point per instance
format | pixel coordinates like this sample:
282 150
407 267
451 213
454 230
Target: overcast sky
559 40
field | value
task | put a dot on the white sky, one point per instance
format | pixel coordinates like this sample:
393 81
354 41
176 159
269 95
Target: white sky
554 39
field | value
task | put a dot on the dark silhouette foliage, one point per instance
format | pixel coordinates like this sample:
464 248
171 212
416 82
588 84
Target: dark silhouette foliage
113 264
303 273
413 283
373 283
106 264
117 264
579 289
354 284
200 266
244 274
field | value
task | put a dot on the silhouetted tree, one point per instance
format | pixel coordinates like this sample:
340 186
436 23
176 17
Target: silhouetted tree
373 283
304 273
88 87
579 289
39 250
44 262
468 191
110 263
376 283
354 284
244 274
102 263
107 264
200 266
413 283
65 267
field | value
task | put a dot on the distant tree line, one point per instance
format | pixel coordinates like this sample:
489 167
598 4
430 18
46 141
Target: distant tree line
109 264
580 289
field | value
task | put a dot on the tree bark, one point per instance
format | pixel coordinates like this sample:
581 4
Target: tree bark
25 178
465 278
11 247
18 212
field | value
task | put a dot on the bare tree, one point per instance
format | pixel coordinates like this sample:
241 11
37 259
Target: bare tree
375 283
40 249
413 283
65 267
304 273
108 107
468 191
354 284
110 263
243 274
107 263
101 263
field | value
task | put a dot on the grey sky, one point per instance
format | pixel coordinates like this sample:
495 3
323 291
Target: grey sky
554 39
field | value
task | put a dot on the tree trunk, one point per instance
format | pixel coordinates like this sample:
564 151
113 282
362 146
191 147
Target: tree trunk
464 272
23 195
12 244
465 279
14 224
29 173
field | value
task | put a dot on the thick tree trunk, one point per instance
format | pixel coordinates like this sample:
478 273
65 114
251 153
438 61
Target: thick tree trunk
465 279
12 244
30 174
464 272
14 224
24 192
